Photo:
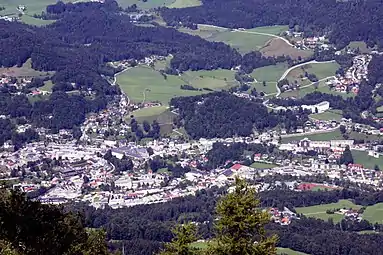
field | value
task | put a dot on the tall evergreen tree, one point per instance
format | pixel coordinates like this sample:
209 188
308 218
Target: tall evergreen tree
184 235
240 226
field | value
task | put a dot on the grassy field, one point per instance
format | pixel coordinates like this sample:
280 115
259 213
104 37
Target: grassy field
185 3
145 83
268 89
319 211
277 47
25 70
362 46
334 135
374 213
328 115
48 85
203 31
269 73
243 42
361 157
321 70
280 250
289 251
322 87
262 165
148 112
274 30
149 4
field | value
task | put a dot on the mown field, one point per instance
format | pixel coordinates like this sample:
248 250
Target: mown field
143 84
262 165
373 214
149 4
321 70
333 135
328 115
361 157
319 211
185 3
280 250
269 73
25 70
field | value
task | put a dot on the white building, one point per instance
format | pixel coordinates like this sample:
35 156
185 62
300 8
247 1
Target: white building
317 108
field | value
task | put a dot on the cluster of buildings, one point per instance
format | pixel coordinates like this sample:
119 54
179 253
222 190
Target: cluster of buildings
283 217
350 81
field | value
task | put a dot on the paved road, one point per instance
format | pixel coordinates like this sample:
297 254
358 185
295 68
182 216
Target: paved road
296 66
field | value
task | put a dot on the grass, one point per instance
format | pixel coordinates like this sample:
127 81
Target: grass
289 251
319 211
25 70
269 73
274 30
243 42
361 157
148 112
361 45
322 87
48 85
142 82
203 31
149 4
145 84
280 250
321 70
334 135
35 21
262 165
268 89
374 213
328 115
185 3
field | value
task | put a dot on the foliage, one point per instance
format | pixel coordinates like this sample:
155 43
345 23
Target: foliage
240 225
223 115
184 235
313 17
28 227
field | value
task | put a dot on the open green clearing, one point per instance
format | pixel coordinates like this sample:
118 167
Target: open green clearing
269 73
32 7
362 46
321 70
145 84
274 30
48 85
319 211
322 87
374 213
361 157
280 250
333 135
185 3
328 115
148 112
243 42
270 87
25 71
262 165
289 251
149 4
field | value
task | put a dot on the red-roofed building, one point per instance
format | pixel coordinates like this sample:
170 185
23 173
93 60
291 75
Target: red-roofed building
236 167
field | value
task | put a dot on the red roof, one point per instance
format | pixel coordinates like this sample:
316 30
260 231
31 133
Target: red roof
236 167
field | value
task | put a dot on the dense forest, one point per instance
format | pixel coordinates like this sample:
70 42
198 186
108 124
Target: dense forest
224 115
345 20
149 225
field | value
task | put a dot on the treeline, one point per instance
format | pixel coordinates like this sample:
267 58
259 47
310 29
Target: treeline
312 17
223 115
150 224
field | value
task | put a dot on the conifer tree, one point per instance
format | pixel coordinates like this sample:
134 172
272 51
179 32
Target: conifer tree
184 235
240 226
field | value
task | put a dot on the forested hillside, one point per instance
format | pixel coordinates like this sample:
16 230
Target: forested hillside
347 20
224 115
